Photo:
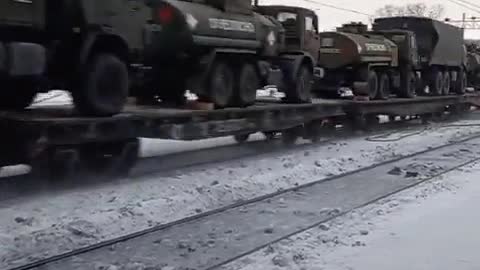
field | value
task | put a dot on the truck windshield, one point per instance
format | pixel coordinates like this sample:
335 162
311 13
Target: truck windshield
287 17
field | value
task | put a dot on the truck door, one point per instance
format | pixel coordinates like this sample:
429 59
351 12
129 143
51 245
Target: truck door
21 12
312 36
413 50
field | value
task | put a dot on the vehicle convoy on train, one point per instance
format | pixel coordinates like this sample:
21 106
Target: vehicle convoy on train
406 56
223 51
83 46
473 65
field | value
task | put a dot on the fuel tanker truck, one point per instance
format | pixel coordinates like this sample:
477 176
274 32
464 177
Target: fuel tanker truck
405 56
223 51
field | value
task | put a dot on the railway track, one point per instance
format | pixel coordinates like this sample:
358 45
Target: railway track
20 185
213 239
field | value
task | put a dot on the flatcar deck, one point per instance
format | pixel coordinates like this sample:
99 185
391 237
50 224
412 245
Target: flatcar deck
26 133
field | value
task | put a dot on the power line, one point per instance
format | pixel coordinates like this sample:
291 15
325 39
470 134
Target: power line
470 3
338 8
464 5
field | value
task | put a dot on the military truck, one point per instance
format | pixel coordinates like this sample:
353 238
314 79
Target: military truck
473 66
223 51
85 46
441 52
401 55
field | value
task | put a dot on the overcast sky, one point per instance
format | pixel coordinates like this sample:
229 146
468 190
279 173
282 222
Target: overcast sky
330 18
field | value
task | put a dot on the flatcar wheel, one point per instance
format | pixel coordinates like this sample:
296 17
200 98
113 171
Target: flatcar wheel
270 135
102 89
291 135
446 83
221 84
300 90
247 85
384 89
436 82
373 84
122 163
314 131
241 138
58 164
111 159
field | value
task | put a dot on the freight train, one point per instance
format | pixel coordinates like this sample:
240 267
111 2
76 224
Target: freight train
406 56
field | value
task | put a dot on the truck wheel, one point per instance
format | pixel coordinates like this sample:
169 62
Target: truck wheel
300 91
446 83
103 88
408 85
436 83
221 84
373 84
461 82
247 85
18 94
384 89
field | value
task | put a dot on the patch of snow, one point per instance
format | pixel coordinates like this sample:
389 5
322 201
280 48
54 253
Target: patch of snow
74 218
52 98
432 226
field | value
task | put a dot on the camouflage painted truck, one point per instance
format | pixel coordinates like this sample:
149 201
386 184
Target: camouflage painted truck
401 55
224 51
85 46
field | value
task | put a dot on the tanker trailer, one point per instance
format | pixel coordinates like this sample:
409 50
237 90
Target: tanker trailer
372 64
222 51
441 52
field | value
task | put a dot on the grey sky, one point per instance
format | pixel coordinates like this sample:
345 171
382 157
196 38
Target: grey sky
330 18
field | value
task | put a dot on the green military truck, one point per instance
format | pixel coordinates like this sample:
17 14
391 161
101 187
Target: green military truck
85 46
405 56
223 51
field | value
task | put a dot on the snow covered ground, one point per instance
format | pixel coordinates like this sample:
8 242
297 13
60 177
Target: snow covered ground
53 223
432 226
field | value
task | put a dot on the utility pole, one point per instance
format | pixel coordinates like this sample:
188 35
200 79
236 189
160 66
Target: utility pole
467 23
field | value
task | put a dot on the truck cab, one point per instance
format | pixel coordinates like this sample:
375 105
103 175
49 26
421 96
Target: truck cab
301 28
84 46
406 42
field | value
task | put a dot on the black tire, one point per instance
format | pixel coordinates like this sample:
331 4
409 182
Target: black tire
247 85
446 83
436 82
461 82
300 90
373 84
220 85
102 89
408 85
384 88
17 94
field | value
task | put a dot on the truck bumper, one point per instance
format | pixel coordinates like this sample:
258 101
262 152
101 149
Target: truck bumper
22 59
